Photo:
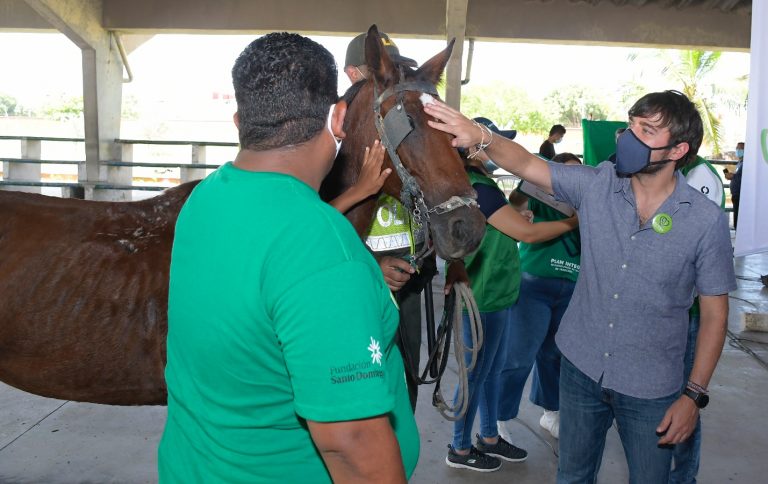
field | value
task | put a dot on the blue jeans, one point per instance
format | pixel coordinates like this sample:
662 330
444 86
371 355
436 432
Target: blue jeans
587 411
687 454
531 338
483 380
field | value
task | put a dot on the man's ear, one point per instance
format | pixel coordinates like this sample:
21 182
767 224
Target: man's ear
679 151
236 119
355 73
337 119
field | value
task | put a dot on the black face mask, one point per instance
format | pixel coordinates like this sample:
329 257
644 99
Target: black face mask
632 155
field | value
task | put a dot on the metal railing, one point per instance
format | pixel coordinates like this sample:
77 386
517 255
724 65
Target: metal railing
114 175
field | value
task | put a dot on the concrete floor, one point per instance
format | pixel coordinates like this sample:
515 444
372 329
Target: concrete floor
51 441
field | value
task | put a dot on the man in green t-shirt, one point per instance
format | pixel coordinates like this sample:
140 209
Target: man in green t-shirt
281 357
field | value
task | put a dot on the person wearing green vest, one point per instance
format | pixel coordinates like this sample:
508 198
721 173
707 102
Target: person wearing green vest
549 272
493 271
394 238
702 176
281 362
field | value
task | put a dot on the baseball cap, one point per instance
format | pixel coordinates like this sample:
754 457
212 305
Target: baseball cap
356 51
507 133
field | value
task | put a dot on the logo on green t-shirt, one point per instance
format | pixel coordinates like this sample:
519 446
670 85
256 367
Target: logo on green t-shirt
360 370
375 350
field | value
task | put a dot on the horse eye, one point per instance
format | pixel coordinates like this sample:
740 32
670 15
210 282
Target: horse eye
410 120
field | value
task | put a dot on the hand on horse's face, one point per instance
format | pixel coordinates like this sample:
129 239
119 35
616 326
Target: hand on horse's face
396 271
465 132
372 177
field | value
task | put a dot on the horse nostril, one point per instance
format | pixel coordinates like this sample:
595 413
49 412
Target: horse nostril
459 231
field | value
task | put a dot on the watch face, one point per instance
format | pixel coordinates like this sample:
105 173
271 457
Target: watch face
703 400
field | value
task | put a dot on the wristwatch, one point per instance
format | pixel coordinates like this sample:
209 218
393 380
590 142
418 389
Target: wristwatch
701 399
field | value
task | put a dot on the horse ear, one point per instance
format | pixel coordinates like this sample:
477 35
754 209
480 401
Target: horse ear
432 70
379 63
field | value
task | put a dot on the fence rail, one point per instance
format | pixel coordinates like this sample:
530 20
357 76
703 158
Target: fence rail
117 178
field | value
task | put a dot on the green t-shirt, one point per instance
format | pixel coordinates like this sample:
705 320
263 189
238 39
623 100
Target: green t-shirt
494 268
560 257
277 314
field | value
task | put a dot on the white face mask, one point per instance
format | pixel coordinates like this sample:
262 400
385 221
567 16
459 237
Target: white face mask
336 140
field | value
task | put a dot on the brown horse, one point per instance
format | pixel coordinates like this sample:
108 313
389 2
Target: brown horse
85 283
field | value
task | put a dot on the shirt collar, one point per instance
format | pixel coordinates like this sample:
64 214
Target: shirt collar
680 194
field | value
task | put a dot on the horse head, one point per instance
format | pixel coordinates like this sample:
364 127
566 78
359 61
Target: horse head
428 175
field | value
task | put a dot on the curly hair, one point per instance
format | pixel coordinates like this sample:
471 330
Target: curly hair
284 84
677 113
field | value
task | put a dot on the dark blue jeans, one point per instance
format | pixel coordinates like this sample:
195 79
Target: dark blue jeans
483 380
531 338
687 454
587 411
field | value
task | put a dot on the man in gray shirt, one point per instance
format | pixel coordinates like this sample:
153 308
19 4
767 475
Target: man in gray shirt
650 243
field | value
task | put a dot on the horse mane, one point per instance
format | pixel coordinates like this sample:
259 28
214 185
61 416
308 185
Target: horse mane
351 93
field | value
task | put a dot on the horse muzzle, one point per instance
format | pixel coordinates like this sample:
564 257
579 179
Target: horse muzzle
458 232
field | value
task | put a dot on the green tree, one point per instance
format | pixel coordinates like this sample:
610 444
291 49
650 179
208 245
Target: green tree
67 109
507 106
691 69
8 105
576 102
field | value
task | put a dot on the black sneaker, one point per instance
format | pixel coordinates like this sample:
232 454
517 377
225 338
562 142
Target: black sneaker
502 449
474 461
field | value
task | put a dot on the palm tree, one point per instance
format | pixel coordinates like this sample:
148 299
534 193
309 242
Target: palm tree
690 68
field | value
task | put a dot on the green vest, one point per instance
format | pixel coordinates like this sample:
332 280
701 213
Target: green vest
494 268
557 258
393 228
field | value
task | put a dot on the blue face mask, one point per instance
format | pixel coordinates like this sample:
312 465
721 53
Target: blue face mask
490 166
739 153
632 155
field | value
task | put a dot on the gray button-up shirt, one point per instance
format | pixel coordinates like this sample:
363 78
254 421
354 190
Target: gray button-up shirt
627 321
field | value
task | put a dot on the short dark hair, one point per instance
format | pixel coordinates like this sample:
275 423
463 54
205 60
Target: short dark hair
565 157
284 86
679 114
557 129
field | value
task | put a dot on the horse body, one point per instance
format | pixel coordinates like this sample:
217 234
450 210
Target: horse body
85 286
85 283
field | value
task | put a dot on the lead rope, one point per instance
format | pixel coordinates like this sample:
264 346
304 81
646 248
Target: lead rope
461 296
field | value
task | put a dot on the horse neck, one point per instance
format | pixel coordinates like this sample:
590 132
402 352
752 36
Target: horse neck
360 132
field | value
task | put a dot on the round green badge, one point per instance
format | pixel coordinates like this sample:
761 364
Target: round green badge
662 223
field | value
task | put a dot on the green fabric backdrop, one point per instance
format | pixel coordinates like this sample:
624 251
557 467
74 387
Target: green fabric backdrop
599 140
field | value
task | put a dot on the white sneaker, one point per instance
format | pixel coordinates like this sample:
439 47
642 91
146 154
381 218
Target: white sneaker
550 421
